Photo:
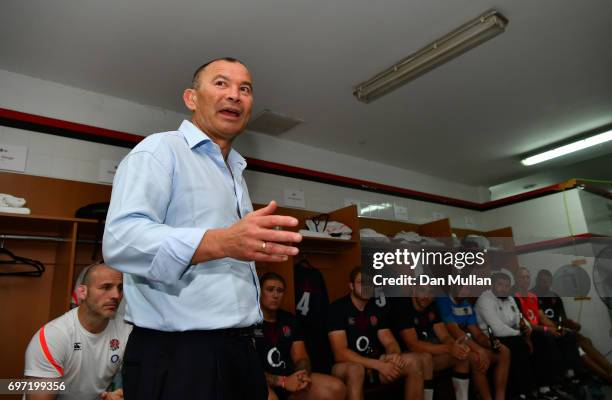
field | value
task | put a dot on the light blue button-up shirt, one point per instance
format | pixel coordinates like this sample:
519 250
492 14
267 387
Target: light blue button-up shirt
167 192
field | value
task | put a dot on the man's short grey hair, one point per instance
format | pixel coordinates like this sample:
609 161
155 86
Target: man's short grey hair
195 81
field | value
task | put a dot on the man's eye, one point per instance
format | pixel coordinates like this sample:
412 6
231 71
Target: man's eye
246 89
220 83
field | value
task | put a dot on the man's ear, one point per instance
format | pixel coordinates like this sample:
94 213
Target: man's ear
82 293
351 286
189 98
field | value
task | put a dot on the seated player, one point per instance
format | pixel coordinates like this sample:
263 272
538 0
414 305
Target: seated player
282 351
498 311
555 352
552 306
459 316
416 321
358 334
84 347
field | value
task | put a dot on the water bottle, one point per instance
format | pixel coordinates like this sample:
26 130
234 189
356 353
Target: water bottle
492 340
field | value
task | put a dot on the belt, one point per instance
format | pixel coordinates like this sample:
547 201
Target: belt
233 332
228 332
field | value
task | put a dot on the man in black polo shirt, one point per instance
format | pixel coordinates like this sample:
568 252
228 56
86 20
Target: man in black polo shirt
358 333
417 322
280 345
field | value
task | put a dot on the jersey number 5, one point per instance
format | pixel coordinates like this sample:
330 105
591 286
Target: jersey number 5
381 300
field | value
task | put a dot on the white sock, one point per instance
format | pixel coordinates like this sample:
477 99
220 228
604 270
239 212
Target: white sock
428 394
462 387
544 389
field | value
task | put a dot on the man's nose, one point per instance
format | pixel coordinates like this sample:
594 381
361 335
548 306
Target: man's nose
115 293
234 94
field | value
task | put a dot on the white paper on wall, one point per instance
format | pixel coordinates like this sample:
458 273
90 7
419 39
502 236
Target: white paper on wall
107 170
13 157
295 198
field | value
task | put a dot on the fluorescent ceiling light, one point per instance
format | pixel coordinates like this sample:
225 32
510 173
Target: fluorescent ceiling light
437 53
568 148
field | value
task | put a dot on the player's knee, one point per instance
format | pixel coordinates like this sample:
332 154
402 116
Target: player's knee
355 372
504 354
271 394
426 361
334 390
412 364
463 366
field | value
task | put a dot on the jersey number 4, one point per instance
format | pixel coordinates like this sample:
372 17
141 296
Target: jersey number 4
303 304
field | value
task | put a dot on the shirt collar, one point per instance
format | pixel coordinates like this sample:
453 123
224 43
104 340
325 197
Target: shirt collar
196 138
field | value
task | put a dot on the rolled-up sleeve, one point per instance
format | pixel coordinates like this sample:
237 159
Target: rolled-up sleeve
136 240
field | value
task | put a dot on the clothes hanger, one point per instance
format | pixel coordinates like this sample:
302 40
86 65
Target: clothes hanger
36 268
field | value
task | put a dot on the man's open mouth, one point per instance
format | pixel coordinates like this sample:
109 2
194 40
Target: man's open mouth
230 112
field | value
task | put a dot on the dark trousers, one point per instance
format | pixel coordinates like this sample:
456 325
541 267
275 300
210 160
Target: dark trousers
568 345
520 376
547 358
195 365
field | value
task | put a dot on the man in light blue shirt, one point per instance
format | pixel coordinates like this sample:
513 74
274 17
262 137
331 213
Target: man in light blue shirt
182 229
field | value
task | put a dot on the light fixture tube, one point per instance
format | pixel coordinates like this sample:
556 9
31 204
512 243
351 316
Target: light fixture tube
568 148
437 53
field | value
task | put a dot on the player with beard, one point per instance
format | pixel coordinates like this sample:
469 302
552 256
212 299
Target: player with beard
282 351
84 347
552 306
359 334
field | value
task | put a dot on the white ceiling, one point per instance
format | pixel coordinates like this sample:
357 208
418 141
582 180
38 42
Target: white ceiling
547 78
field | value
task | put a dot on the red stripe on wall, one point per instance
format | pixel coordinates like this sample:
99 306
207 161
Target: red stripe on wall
90 132
71 126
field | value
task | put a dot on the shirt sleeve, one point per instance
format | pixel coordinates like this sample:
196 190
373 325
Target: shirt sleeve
46 354
136 240
561 307
488 313
335 319
296 326
472 318
401 314
445 310
434 310
383 317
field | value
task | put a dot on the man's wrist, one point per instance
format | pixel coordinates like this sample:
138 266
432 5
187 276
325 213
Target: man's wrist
209 247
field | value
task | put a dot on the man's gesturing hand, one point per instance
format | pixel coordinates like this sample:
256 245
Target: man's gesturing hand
253 238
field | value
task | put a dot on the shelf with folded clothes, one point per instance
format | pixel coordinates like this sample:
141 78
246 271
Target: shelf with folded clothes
334 257
435 234
40 225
